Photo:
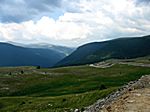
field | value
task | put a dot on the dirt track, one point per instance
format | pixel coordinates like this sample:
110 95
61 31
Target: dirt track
134 101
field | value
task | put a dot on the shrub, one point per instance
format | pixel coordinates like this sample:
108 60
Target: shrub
1 105
22 71
64 99
82 109
38 67
102 87
22 103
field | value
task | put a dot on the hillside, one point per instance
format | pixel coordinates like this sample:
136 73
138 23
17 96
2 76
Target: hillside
12 55
122 48
131 97
63 89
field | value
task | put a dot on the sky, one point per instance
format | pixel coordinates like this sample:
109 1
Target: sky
72 22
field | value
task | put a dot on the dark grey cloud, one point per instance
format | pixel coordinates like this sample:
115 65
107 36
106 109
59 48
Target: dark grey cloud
71 6
143 2
22 10
43 5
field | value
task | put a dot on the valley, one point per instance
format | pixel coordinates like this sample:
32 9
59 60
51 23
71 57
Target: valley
45 55
74 56
66 88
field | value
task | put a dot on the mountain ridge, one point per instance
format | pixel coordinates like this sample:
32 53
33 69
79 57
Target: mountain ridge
120 48
62 49
12 55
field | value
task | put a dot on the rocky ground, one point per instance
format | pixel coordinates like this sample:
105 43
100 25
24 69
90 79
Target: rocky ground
133 97
133 101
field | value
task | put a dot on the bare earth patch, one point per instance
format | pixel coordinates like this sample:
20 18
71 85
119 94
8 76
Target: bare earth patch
134 101
133 97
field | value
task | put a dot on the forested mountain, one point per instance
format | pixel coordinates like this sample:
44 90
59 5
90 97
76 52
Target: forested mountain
121 48
12 55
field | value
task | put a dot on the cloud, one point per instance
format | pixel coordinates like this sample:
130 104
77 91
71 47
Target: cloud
22 10
44 30
111 19
80 21
143 1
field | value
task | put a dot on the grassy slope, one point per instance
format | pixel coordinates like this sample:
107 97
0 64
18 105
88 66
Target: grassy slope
60 88
52 104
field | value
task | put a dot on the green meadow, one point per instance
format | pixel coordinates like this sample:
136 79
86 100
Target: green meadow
28 89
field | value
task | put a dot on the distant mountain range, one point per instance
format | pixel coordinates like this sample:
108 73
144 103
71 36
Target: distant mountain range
62 49
122 48
33 55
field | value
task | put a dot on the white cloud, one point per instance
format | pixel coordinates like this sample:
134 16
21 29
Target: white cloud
44 30
83 21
